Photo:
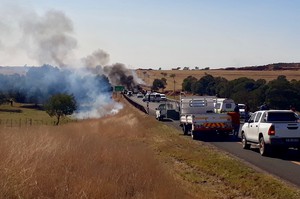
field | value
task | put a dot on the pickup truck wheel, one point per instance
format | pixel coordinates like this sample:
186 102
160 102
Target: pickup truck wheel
263 148
193 135
185 129
245 142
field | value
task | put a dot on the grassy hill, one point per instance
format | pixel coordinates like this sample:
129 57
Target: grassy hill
148 76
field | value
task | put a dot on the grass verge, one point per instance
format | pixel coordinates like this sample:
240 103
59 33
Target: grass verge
128 155
210 173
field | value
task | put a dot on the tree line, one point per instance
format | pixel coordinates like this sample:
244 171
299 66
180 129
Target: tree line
277 94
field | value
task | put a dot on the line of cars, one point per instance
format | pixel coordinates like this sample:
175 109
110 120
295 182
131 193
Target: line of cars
271 130
153 97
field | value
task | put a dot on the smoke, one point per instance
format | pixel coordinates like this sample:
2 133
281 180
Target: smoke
97 58
92 92
49 37
117 73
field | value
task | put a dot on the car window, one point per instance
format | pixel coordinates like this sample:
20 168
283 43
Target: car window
257 117
241 106
228 106
170 106
281 116
162 106
252 117
264 118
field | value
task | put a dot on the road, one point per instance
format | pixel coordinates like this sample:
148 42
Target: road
285 166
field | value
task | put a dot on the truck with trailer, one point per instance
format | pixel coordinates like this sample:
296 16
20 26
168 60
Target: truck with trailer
198 116
271 130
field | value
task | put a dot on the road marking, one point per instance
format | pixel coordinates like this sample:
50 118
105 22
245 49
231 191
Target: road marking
295 162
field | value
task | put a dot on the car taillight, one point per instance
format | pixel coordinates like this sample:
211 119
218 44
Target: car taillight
271 130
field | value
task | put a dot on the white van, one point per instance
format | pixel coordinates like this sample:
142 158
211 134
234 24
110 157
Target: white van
163 97
155 97
152 97
224 105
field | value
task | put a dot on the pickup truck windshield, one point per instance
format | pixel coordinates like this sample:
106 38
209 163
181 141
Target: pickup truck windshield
281 116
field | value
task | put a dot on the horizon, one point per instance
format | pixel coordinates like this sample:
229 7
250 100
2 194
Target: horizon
180 68
155 34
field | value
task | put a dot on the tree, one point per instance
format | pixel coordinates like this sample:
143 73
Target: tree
188 83
158 84
281 94
60 105
205 85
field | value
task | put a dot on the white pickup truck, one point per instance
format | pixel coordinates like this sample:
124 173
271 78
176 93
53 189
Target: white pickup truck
197 116
271 129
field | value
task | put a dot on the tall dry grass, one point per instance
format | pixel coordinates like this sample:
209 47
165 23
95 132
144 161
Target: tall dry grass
103 158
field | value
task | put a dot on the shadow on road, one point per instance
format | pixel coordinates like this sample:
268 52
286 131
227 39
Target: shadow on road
288 154
166 120
215 137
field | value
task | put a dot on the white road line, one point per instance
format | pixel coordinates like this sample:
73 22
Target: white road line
296 162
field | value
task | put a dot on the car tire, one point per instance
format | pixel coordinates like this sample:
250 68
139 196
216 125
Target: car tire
263 147
185 129
245 142
194 134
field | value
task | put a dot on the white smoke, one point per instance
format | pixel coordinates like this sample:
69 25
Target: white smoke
49 39
97 58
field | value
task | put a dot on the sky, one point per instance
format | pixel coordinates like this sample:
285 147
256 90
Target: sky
162 34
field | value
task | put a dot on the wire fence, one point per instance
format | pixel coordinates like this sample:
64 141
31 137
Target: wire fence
28 122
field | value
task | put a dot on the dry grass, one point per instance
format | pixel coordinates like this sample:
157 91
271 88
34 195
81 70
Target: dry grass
129 155
90 159
228 74
210 173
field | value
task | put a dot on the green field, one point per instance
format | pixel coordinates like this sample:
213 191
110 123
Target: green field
26 115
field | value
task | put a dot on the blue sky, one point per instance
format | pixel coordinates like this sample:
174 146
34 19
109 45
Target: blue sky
168 34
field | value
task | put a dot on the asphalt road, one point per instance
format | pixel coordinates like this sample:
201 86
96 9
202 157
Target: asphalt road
285 166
